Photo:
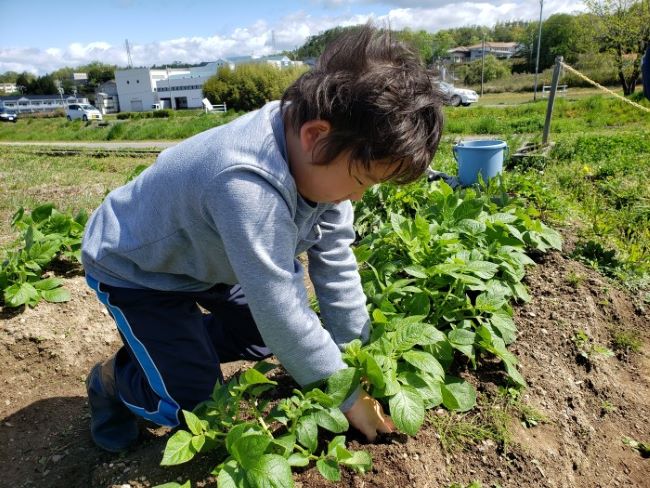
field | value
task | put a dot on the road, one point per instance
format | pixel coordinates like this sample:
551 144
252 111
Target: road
114 145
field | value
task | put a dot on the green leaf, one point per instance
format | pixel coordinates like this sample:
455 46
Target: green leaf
178 449
407 410
193 423
249 448
520 292
269 471
424 361
482 269
416 270
342 384
329 469
372 369
198 441
418 304
362 253
503 323
42 212
232 475
427 386
307 432
58 295
470 226
360 461
48 283
238 431
458 394
284 444
332 420
254 377
20 294
298 460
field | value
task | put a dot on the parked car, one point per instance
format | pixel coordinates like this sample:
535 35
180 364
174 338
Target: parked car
8 115
457 96
82 111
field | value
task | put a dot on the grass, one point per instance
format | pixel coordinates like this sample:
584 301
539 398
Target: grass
31 176
180 126
626 341
595 179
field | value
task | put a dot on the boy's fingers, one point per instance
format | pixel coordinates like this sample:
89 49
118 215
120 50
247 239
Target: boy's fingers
387 426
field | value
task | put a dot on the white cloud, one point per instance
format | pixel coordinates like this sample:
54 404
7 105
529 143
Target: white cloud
288 33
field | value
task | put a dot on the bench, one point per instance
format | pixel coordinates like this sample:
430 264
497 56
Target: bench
561 90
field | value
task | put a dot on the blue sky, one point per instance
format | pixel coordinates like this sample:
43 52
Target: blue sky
40 36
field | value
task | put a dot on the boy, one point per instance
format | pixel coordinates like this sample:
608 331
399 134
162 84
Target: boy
218 221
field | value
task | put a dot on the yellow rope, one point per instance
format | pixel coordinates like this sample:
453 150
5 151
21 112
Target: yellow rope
576 72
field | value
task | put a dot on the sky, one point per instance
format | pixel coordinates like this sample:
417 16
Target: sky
40 36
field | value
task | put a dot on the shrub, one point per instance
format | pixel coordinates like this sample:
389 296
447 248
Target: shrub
162 114
249 86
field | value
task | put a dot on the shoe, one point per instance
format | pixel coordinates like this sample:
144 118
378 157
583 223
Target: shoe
113 427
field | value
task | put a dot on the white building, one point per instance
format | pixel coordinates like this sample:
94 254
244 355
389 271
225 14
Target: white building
8 87
141 89
38 103
106 99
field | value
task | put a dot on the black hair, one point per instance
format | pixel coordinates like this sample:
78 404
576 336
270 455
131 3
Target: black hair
380 100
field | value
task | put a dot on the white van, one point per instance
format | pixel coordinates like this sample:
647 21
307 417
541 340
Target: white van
82 111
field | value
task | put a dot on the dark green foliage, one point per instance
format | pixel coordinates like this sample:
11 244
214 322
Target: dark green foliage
249 86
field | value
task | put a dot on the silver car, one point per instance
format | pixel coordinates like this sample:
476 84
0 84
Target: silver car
82 111
8 116
457 96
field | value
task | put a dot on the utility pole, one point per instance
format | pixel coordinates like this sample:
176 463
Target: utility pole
539 43
482 62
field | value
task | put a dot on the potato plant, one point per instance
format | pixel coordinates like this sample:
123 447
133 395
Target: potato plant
45 234
440 269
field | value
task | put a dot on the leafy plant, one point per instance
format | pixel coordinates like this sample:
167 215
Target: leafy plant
46 234
454 258
263 442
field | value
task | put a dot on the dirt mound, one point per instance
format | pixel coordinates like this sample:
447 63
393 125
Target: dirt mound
583 399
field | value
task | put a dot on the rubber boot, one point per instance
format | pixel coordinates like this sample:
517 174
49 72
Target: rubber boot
113 427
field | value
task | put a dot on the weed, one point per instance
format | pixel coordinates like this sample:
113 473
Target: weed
606 407
643 448
574 279
626 341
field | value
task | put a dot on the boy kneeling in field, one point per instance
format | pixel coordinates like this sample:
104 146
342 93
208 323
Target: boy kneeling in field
219 220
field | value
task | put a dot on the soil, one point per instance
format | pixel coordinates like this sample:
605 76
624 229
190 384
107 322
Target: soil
591 401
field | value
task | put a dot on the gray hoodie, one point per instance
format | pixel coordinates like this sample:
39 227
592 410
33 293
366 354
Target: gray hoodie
222 207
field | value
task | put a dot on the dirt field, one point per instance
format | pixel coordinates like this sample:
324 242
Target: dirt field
591 401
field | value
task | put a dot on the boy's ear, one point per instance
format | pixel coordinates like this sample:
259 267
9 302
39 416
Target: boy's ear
311 132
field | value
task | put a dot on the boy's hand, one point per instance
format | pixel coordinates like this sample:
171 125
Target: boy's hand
368 416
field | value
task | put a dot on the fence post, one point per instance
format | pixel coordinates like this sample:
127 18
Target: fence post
551 98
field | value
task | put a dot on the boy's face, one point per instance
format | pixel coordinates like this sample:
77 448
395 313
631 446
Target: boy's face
338 180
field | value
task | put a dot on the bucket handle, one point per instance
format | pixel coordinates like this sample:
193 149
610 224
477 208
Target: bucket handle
453 150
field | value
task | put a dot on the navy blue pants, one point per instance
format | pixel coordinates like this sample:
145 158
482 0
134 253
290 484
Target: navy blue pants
173 350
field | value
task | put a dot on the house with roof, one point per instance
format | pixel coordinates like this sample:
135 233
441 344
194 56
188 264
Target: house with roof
458 54
38 103
502 50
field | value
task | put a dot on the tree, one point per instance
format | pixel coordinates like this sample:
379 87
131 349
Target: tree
623 28
493 69
421 41
249 86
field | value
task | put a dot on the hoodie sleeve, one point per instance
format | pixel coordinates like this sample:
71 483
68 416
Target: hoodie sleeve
334 272
253 215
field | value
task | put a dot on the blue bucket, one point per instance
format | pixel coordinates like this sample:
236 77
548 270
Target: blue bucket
474 158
